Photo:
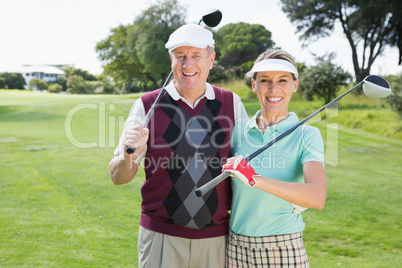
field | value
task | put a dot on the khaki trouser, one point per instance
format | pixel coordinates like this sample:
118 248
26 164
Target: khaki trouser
156 250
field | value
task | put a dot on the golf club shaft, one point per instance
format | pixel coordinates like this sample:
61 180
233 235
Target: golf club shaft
208 186
148 116
211 184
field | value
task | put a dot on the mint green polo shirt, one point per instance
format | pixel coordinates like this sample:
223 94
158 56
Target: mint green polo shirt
256 212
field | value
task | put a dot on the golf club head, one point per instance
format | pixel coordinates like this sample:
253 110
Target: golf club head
212 17
376 87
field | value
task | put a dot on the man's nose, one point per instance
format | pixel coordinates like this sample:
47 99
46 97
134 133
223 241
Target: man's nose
187 62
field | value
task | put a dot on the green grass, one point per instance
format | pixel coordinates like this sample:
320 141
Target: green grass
59 207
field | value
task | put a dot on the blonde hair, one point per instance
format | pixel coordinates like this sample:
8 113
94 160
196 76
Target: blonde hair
276 54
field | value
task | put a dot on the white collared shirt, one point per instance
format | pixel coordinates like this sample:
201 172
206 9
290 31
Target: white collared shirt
172 91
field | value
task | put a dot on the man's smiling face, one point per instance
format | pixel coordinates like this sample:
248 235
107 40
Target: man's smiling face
191 67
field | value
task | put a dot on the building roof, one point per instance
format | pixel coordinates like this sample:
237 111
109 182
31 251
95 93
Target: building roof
41 69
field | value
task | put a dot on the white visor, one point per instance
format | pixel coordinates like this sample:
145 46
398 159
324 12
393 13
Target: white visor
272 65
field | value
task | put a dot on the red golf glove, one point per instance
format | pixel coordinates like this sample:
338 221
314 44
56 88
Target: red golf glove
239 168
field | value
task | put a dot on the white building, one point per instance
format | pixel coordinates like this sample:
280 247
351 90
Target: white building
47 73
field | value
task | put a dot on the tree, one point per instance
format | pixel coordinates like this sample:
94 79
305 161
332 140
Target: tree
241 42
395 99
76 84
323 80
3 83
37 84
150 32
12 81
62 80
371 24
55 88
123 66
217 74
69 71
136 53
108 85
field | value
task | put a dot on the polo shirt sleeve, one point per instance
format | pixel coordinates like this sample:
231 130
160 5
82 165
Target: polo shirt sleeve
135 117
240 112
313 145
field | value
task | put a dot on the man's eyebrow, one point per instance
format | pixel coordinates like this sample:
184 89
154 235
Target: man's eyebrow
269 76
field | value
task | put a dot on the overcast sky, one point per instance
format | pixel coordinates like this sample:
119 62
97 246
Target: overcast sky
66 31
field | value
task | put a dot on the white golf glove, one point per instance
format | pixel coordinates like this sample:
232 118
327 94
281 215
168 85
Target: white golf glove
298 209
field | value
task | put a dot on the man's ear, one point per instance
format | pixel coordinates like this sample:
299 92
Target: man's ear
212 60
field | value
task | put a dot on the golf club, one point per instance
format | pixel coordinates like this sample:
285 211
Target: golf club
211 19
373 87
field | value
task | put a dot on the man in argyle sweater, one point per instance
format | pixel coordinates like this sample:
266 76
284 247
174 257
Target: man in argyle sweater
182 148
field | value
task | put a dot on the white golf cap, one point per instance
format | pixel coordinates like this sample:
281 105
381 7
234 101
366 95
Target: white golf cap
191 35
272 65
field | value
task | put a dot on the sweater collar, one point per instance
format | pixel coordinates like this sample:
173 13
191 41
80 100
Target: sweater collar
172 91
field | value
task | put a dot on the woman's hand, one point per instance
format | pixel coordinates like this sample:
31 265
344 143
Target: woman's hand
238 167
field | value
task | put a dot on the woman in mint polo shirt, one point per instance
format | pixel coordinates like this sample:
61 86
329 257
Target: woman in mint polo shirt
273 188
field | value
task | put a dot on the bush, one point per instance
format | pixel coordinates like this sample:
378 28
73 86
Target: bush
323 80
37 84
62 80
3 83
55 88
76 85
108 86
217 74
94 86
395 99
12 81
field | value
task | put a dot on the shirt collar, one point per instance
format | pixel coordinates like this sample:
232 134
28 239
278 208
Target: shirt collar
282 126
172 91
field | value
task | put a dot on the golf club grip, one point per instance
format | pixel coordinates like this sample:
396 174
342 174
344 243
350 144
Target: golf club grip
211 184
130 150
147 118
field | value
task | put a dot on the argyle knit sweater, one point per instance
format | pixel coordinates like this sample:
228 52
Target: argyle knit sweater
186 148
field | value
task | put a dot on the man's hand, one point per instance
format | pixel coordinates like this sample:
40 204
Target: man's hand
239 168
136 137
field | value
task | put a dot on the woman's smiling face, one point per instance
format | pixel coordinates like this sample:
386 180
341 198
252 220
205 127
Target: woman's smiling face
274 90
